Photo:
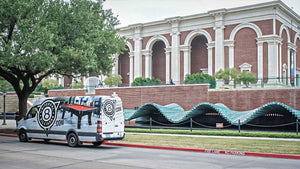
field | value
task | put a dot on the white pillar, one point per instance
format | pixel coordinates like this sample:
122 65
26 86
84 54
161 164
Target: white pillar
291 47
131 67
186 60
116 64
210 47
259 61
273 59
219 38
167 52
230 45
175 61
148 64
137 50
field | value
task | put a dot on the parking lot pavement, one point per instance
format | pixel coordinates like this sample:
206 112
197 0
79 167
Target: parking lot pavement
37 154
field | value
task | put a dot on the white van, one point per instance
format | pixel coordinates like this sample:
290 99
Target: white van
76 119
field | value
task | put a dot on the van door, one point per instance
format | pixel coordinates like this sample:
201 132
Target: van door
31 123
108 116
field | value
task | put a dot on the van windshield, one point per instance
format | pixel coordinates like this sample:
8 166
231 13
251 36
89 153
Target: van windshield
32 112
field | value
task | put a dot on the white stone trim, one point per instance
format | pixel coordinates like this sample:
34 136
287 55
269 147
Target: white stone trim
245 25
284 27
154 39
189 38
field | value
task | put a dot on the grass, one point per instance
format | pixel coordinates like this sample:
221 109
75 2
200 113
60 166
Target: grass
217 132
265 146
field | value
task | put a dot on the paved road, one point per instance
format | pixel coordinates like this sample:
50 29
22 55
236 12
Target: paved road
37 154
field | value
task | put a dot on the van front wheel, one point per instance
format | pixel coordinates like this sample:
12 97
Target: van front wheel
23 136
72 140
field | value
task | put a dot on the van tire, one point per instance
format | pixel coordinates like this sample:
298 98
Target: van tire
72 140
46 140
23 136
98 143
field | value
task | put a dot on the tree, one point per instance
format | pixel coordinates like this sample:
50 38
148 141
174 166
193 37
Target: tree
40 38
227 74
49 84
142 81
113 79
198 78
76 85
246 78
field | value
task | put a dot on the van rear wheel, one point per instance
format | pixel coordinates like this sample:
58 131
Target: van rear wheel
23 136
72 140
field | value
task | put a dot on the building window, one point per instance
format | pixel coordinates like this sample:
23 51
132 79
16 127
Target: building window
245 67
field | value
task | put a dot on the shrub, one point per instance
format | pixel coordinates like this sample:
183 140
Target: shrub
141 81
246 78
114 79
198 78
227 74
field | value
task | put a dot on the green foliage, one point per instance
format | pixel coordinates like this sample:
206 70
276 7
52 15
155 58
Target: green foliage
227 74
40 38
246 78
198 78
76 85
113 79
141 81
5 86
50 84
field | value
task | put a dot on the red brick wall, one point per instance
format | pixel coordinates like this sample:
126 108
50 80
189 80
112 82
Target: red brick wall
159 61
245 49
124 67
253 98
70 92
188 96
266 26
298 53
199 58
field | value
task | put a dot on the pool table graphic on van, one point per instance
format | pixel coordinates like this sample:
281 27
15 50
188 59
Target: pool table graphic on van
75 119
79 111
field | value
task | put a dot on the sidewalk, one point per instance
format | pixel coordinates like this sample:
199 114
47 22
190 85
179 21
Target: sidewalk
10 124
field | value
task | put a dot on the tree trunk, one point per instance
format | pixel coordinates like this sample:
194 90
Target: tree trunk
23 104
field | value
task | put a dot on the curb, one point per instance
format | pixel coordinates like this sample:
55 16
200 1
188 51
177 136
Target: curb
211 151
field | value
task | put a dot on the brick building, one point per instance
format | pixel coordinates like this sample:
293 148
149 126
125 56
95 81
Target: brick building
262 38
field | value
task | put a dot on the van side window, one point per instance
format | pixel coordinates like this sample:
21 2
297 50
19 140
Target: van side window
32 112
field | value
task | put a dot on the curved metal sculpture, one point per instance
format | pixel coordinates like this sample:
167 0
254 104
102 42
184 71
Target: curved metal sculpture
176 114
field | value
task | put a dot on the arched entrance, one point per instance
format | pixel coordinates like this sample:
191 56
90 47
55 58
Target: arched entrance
199 55
159 61
124 67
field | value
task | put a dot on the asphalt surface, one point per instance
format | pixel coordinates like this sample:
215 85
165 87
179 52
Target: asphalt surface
37 154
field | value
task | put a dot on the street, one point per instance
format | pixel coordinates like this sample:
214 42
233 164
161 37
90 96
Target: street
37 154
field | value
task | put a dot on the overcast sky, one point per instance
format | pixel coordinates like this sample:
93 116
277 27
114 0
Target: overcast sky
142 11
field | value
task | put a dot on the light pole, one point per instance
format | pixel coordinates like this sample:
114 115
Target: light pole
4 114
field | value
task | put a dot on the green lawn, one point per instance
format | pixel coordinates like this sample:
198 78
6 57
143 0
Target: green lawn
217 132
265 146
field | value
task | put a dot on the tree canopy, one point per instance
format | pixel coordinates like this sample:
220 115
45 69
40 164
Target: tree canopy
40 38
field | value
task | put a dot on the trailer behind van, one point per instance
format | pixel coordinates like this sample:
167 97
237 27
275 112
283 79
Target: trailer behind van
76 119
